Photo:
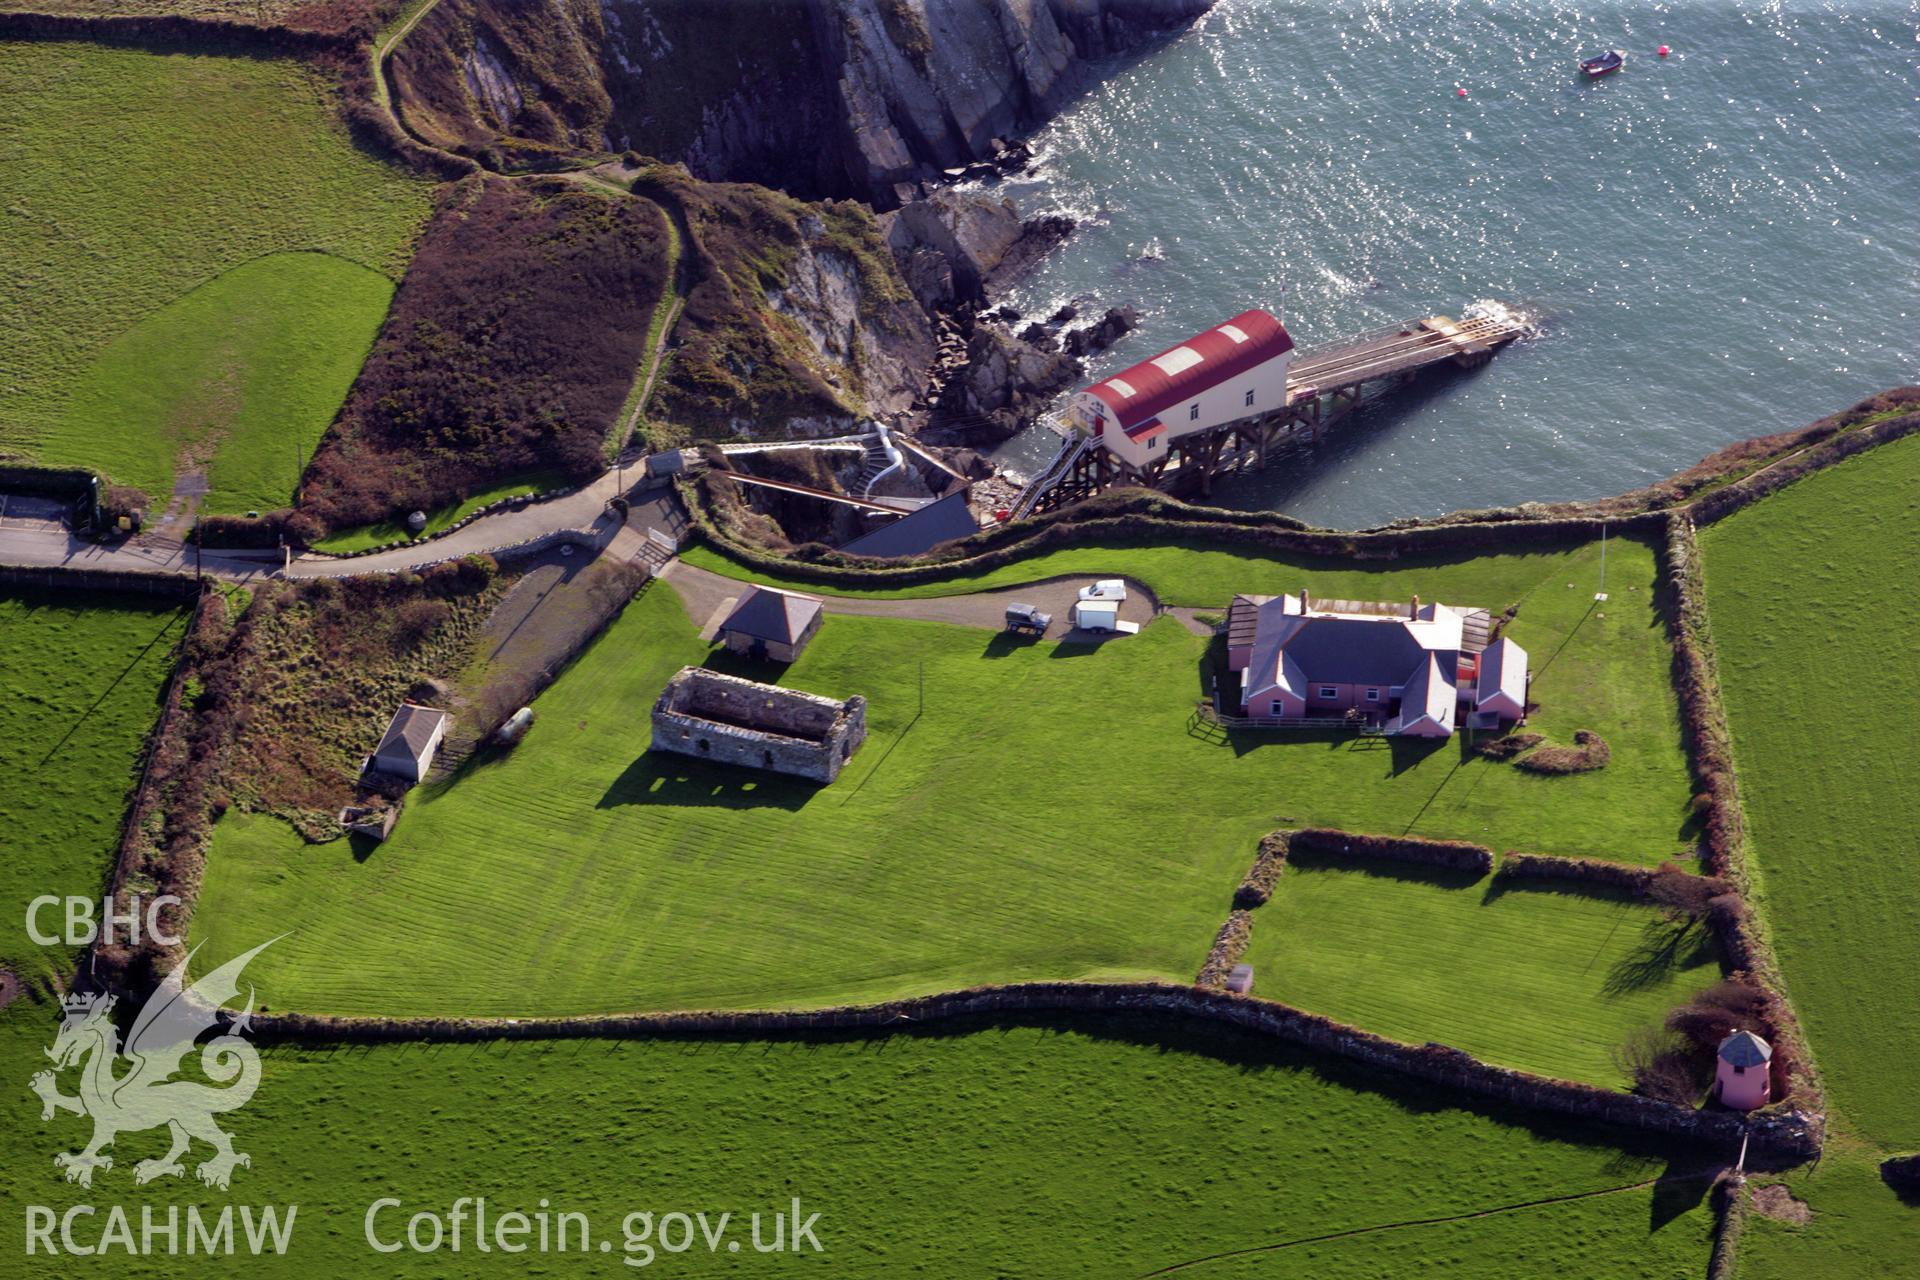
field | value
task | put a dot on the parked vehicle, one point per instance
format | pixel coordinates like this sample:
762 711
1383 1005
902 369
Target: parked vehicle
1105 589
1025 618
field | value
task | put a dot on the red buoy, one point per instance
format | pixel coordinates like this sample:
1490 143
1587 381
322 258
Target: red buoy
1461 92
1664 51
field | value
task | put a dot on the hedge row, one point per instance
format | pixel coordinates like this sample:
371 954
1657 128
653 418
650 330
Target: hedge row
52 482
1728 1200
1138 515
1836 439
1228 946
1788 1135
1147 514
170 33
1703 722
164 840
1717 799
179 586
1455 855
1542 866
1261 877
250 532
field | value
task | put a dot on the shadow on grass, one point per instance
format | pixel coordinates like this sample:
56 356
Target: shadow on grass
1006 643
728 663
1500 886
363 846
172 621
1079 644
658 777
1665 947
1638 1157
1903 1184
1385 869
1680 1189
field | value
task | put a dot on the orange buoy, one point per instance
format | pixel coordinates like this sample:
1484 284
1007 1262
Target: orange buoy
1664 51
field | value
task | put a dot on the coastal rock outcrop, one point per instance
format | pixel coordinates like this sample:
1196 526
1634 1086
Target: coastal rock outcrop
957 247
871 99
1006 381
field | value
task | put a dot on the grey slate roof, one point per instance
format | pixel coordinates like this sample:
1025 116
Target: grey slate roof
410 730
1357 650
777 617
1745 1049
937 522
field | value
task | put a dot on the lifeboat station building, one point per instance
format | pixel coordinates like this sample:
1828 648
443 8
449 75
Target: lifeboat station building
1232 372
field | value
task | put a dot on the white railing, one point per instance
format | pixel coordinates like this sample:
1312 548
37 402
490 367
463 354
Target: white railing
1052 474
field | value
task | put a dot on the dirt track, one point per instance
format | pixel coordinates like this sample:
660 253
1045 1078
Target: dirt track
704 591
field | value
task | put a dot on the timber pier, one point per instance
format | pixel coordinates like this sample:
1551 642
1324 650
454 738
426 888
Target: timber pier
1321 387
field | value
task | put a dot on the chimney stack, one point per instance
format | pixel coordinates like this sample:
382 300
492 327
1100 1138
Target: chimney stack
1416 604
1305 603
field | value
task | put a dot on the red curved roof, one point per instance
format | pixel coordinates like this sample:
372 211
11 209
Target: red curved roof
1225 351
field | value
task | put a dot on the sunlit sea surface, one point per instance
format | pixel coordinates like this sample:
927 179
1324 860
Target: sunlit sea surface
1714 245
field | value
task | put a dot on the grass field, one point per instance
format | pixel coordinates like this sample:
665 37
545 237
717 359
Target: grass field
1202 577
1095 1149
80 678
1549 982
239 377
379 535
136 182
1814 606
1022 822
1859 1227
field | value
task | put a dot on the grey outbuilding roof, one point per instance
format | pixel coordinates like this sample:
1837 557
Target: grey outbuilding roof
410 730
1745 1049
937 522
772 615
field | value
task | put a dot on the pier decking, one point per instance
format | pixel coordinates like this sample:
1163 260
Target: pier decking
1321 387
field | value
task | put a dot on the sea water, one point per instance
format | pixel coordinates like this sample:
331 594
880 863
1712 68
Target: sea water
1713 245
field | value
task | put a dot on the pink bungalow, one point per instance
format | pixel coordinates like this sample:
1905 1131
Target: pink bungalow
1410 668
1740 1071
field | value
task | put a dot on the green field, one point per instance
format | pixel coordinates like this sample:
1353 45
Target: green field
1859 1227
1203 576
240 378
137 183
379 535
1546 981
1814 605
80 678
1090 1149
1018 812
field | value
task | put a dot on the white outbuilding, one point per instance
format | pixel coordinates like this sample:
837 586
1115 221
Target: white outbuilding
412 736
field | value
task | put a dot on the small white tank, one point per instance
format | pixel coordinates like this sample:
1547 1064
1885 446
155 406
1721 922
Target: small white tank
515 727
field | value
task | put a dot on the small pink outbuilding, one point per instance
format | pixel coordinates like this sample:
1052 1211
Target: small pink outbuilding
1741 1071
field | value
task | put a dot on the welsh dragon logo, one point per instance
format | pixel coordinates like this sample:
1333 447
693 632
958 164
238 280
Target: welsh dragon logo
147 1096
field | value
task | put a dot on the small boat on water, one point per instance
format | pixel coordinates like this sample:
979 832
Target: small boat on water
1604 65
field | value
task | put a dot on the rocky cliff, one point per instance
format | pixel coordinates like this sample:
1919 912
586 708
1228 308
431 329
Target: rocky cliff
857 97
796 319
821 98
